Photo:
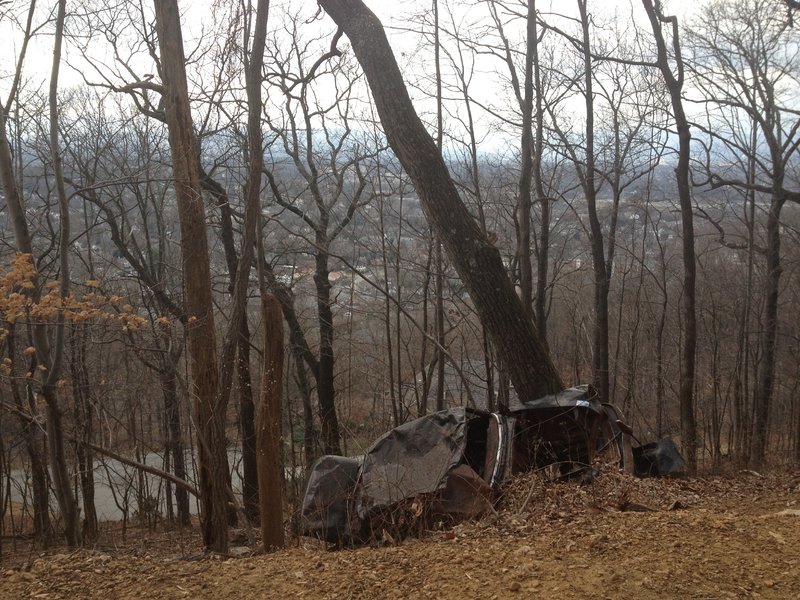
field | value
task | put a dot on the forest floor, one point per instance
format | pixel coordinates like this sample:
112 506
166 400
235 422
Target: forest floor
618 537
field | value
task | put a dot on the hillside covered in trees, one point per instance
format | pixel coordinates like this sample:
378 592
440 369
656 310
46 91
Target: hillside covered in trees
238 236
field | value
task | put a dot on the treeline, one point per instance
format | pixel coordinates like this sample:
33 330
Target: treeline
332 311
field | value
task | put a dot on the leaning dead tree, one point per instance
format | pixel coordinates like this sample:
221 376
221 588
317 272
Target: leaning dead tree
477 261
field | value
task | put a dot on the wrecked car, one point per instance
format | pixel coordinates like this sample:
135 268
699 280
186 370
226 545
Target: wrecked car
448 465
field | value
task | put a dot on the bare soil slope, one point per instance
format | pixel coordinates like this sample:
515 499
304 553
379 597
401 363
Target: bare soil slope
615 538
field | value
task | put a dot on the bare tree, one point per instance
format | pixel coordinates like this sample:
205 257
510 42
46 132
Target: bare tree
315 134
674 79
33 434
745 56
49 351
475 258
210 415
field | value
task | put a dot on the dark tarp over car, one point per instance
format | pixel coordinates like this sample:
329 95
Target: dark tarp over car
658 458
438 459
563 429
449 463
326 509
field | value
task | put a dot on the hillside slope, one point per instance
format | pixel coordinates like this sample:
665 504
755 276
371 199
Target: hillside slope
616 538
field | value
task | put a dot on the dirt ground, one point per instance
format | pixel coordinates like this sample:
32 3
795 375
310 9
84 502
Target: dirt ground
619 537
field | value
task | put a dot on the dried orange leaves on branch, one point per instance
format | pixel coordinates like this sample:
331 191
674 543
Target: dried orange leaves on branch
20 302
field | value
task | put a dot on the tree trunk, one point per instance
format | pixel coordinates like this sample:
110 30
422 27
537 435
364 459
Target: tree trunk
246 405
302 354
214 486
387 305
477 261
49 357
438 262
255 154
247 424
741 415
255 143
55 433
438 286
310 437
543 256
600 359
34 444
674 86
58 465
270 476
523 213
766 374
84 430
325 385
34 439
169 390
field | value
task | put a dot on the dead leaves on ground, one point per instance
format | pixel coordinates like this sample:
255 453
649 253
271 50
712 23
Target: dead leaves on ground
720 537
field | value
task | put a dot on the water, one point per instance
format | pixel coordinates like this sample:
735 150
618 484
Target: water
117 485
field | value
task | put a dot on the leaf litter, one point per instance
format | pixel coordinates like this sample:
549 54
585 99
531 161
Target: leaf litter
615 537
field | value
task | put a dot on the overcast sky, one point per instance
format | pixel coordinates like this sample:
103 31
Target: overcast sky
393 14
398 16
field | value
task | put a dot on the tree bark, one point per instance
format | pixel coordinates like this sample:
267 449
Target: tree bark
477 261
214 482
543 256
523 214
55 433
84 429
34 443
270 480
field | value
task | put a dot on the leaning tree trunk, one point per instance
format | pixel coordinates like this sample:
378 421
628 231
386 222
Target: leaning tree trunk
477 261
